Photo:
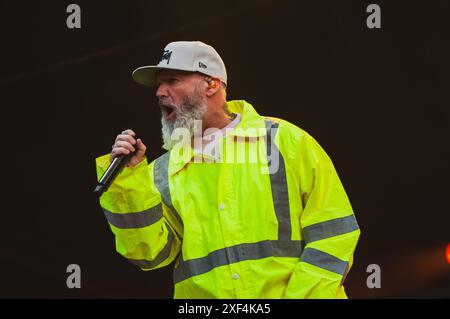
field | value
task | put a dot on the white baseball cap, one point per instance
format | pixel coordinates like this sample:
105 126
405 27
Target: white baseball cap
192 56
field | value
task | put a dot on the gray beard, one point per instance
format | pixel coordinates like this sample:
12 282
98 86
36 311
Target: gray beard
191 110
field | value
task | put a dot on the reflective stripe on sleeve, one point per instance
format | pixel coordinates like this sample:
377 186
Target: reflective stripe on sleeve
135 220
330 228
324 260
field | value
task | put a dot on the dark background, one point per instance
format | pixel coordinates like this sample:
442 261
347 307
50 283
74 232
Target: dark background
377 100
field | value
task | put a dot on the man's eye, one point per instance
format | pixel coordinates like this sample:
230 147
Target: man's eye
173 81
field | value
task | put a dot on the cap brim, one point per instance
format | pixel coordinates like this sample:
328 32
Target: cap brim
145 75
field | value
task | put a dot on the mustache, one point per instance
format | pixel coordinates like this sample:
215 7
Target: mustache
163 102
186 106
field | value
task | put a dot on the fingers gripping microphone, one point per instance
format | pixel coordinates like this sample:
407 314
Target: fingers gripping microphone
112 171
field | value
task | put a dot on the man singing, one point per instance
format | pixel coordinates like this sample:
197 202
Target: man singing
247 206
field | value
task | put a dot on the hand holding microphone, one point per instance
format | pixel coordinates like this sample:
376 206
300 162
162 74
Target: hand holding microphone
127 150
125 144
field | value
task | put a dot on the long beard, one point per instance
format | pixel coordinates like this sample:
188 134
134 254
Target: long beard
187 116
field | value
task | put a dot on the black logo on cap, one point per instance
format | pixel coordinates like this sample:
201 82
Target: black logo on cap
166 56
201 65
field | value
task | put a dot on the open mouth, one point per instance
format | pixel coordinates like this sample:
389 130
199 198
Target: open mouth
167 110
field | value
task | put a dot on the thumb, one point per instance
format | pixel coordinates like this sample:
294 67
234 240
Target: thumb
140 147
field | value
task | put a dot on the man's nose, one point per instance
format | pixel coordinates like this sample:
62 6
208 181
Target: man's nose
161 91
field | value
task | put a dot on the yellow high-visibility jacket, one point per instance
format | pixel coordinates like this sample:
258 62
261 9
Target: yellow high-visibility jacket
272 223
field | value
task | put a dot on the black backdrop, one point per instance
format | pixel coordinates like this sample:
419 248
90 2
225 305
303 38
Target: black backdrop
376 100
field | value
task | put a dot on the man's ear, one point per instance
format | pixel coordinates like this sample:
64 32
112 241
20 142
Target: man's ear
213 87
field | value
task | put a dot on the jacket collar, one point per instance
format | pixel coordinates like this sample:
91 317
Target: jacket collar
251 125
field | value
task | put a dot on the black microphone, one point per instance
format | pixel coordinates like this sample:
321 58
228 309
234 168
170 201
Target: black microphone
112 171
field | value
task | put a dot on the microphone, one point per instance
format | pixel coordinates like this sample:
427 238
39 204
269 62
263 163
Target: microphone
112 171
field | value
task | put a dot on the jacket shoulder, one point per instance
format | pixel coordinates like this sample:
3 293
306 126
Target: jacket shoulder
288 130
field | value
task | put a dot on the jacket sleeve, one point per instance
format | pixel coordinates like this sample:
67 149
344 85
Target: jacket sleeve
328 226
138 219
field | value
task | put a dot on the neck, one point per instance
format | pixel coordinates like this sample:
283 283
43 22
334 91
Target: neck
215 119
